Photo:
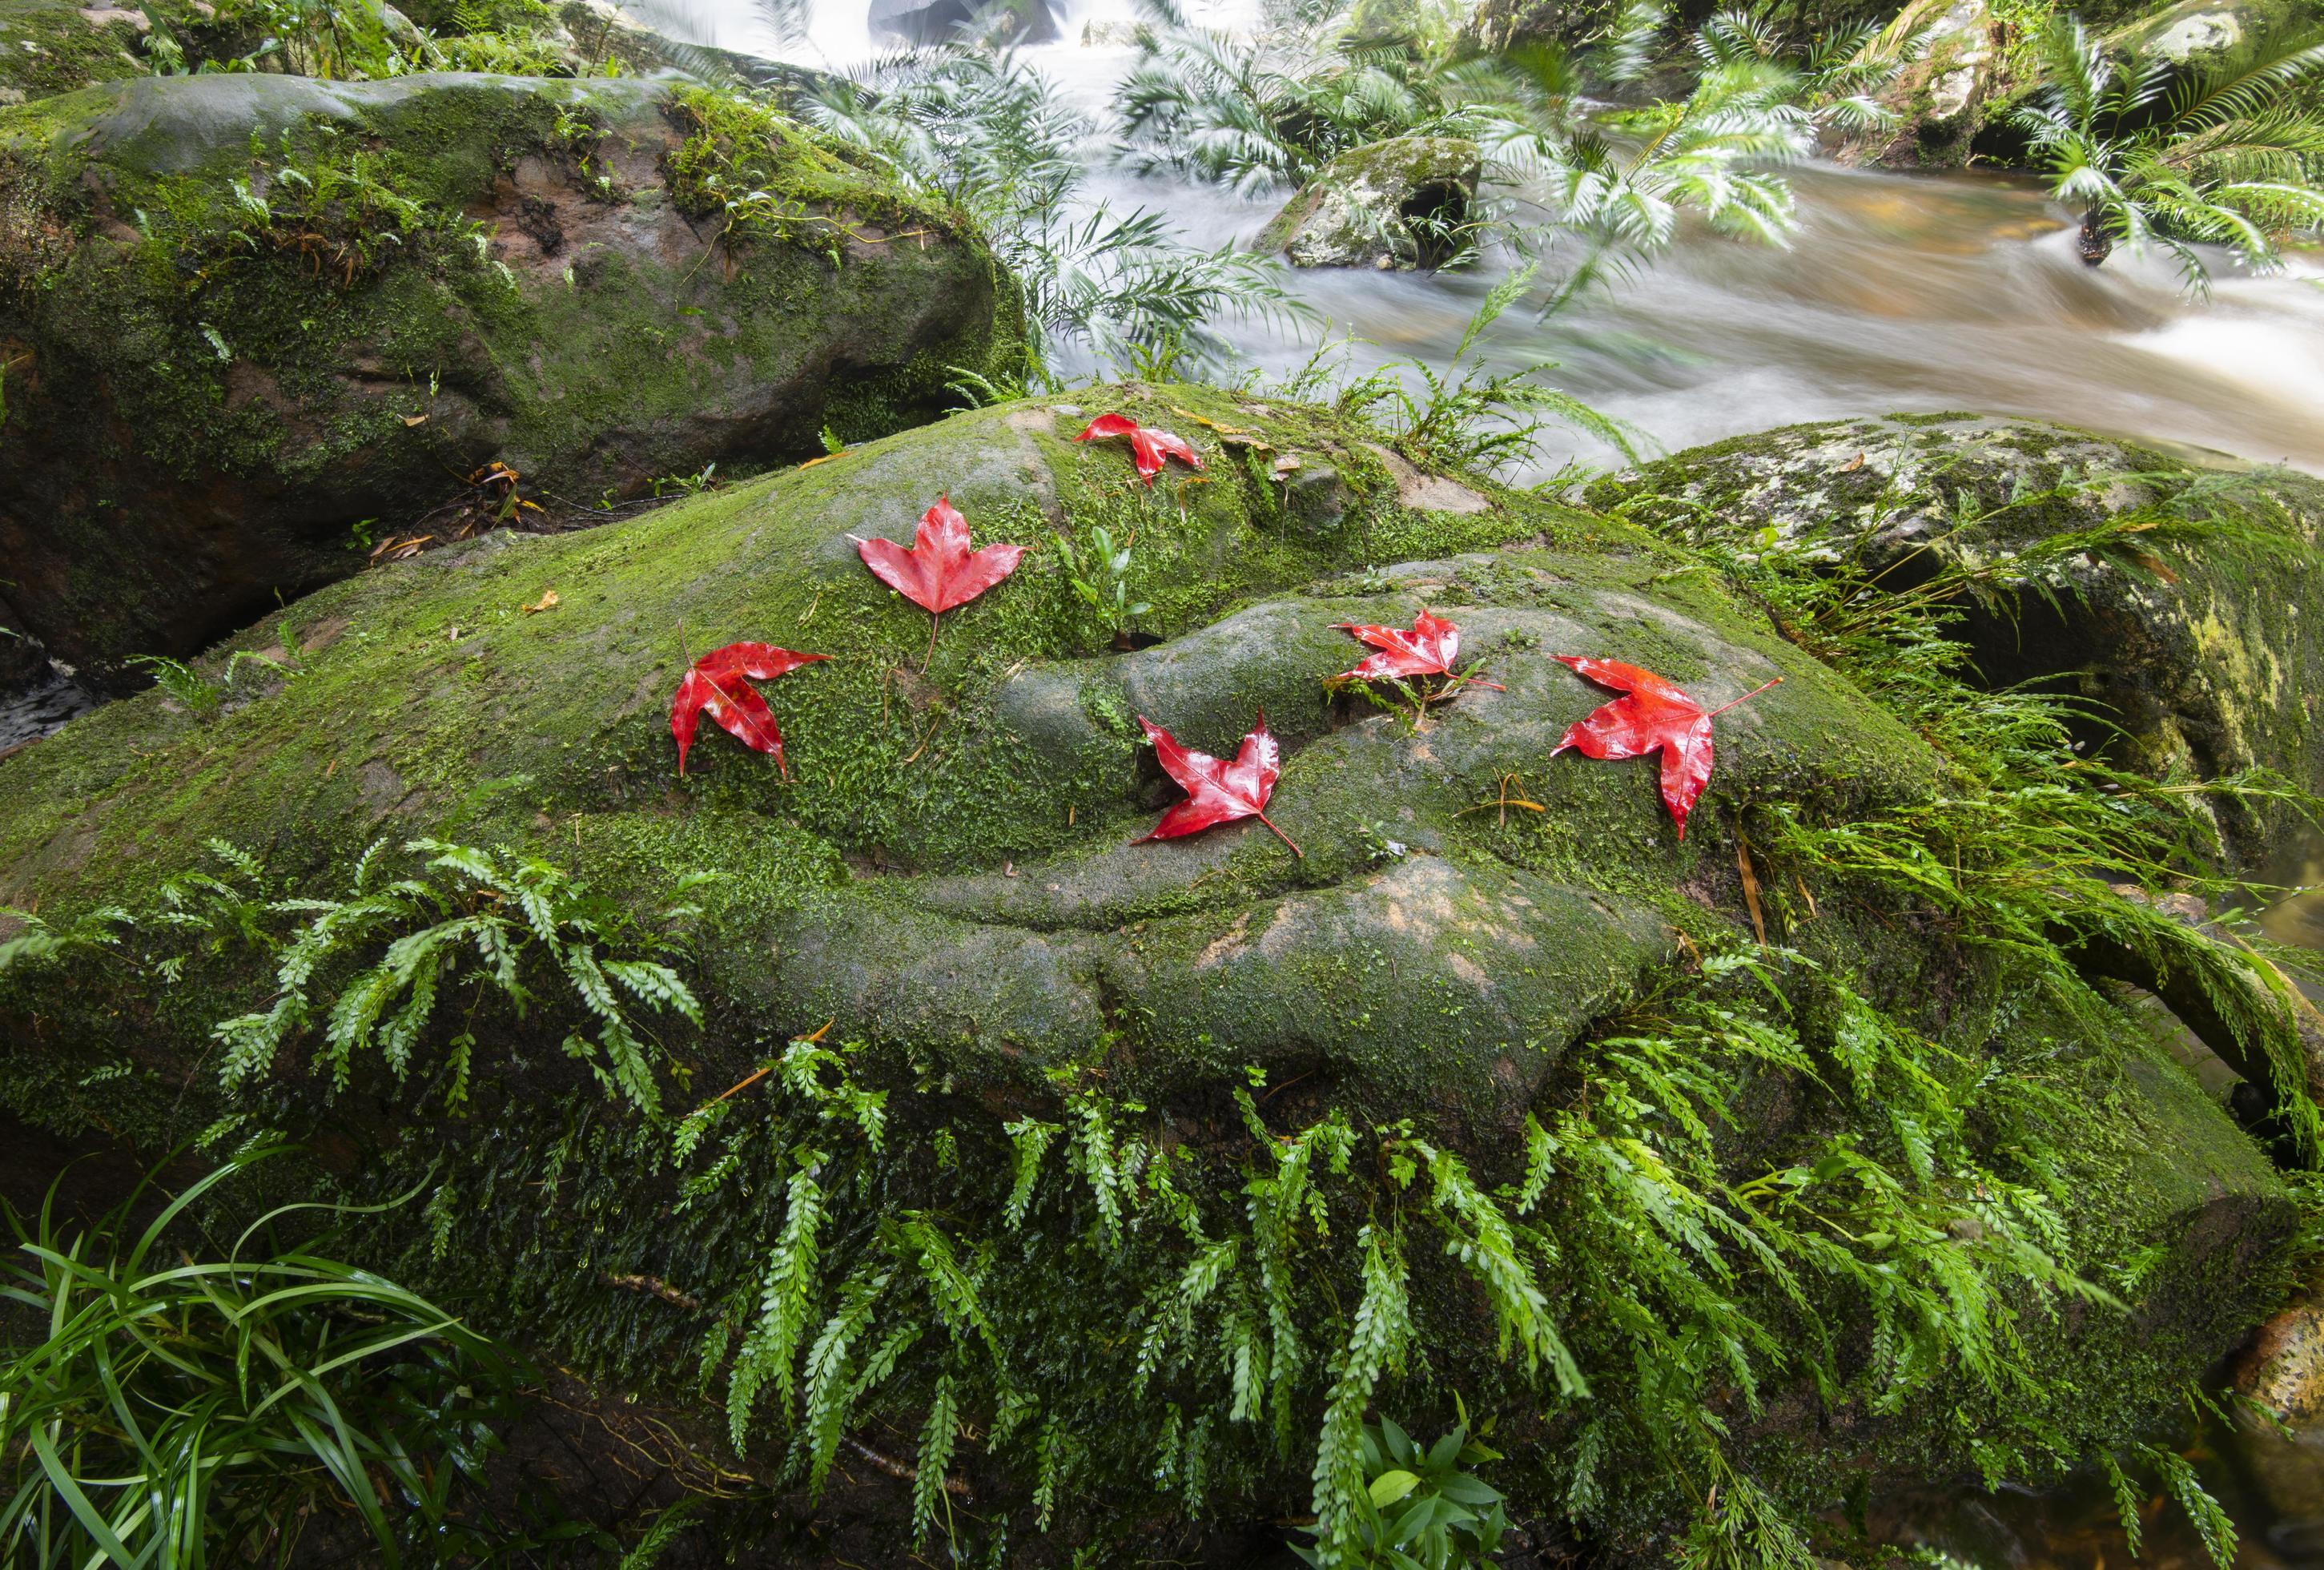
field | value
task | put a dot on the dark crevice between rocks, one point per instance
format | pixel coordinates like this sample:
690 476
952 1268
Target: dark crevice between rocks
2256 1102
1435 216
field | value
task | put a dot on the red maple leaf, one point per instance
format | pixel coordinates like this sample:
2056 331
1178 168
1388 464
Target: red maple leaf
1651 713
1147 449
1217 791
938 571
717 684
1429 648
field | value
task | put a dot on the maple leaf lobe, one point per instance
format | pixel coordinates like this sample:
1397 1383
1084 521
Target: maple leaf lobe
938 571
719 685
1218 790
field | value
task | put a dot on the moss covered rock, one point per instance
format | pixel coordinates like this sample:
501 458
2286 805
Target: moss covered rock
48 47
1938 97
2201 33
253 321
2203 666
1386 203
1474 1007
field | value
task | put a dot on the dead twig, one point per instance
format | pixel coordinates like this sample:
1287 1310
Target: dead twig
897 1469
1750 883
654 1285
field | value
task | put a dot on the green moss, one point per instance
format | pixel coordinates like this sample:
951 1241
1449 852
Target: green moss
48 47
273 303
2189 650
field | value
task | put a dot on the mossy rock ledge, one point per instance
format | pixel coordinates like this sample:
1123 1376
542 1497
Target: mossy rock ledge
249 322
2203 665
949 877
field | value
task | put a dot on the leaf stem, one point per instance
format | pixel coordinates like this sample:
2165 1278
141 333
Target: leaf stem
1281 836
1754 692
936 620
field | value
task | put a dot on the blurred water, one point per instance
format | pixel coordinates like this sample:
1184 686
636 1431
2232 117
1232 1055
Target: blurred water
1900 292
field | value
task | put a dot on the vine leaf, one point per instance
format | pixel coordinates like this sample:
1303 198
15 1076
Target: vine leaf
1429 648
1651 713
1217 791
719 685
938 571
1147 449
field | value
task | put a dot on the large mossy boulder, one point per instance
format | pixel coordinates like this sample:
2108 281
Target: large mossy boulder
2199 663
253 321
1404 202
1097 1143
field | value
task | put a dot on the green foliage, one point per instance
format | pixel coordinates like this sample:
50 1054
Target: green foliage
2035 849
1099 572
989 136
182 1410
2230 156
1304 1301
1421 1508
469 920
191 690
374 969
1469 417
350 40
327 203
1836 76
1271 109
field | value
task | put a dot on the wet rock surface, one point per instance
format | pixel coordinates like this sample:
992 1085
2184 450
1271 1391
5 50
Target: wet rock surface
498 270
949 874
2202 658
1390 204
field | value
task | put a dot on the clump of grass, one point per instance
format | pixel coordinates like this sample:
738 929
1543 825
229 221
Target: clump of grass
181 1409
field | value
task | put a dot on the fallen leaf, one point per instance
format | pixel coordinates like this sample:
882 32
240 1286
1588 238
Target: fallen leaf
1217 791
410 420
1205 419
1651 713
939 571
1147 449
1750 884
547 602
719 685
1428 648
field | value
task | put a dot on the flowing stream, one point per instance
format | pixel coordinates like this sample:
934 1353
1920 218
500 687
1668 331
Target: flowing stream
1910 292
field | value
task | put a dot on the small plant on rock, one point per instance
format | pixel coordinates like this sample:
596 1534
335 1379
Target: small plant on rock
1099 572
2229 157
1421 1509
